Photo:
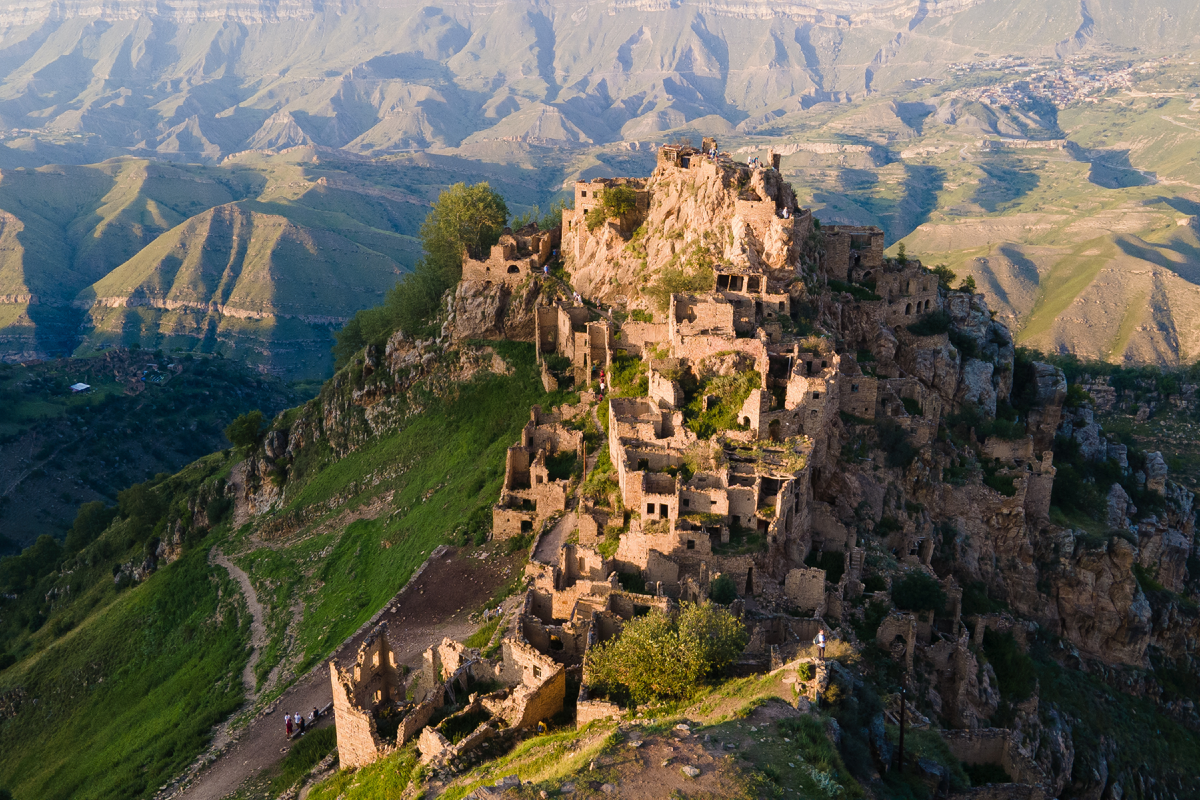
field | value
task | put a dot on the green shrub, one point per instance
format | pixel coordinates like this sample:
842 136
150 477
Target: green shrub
895 443
304 754
964 344
661 656
832 561
917 591
247 430
931 324
1014 670
730 391
723 590
853 289
90 522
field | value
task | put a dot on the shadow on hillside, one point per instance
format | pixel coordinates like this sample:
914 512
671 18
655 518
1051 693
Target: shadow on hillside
1113 170
1188 269
1003 185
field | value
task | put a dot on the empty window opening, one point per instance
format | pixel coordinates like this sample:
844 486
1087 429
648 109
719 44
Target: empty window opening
691 544
650 508
686 503
513 269
662 509
526 526
853 388
907 308
537 672
752 284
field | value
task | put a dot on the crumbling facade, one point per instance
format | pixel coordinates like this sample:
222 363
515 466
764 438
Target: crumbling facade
514 258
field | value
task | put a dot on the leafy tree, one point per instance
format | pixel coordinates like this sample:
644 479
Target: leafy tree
20 572
619 200
919 592
90 522
464 218
968 285
902 254
944 275
143 506
723 590
246 430
660 656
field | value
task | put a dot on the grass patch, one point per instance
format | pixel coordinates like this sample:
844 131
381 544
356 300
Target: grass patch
305 754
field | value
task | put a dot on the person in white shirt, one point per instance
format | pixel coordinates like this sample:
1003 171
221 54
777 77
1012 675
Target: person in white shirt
820 643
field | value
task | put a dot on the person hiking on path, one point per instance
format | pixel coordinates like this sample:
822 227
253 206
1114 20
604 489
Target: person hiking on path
820 643
288 725
300 722
313 719
546 269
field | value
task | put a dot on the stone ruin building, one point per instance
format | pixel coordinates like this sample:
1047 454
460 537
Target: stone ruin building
514 258
772 502
379 706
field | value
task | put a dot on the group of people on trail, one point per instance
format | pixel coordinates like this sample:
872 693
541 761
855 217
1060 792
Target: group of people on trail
295 724
601 396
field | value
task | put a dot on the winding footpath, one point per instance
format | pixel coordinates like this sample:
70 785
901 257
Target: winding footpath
421 614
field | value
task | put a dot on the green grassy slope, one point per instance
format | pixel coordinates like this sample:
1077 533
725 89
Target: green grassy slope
170 651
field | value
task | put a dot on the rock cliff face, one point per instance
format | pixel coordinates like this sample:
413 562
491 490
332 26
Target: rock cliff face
693 222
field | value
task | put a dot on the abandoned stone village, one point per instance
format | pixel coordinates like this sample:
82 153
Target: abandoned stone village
731 356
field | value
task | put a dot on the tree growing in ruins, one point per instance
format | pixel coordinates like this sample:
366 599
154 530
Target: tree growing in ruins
666 656
464 218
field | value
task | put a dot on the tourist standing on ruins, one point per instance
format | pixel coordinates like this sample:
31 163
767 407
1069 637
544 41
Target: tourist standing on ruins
820 643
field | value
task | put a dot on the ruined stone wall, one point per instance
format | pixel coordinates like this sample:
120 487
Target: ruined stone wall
758 214
700 315
857 395
895 626
806 589
637 336
414 720
1005 450
997 746
358 742
849 247
587 711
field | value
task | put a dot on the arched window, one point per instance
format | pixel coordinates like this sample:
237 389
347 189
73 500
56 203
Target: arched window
513 269
907 309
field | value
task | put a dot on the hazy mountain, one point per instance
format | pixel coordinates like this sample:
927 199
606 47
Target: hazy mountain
194 81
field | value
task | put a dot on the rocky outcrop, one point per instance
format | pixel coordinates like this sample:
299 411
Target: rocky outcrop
1101 608
496 311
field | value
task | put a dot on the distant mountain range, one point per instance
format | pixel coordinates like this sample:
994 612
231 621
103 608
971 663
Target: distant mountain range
242 177
195 81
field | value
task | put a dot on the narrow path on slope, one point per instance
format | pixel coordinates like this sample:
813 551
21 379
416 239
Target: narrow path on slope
258 629
434 604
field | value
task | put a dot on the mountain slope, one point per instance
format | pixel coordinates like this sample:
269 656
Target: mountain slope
190 83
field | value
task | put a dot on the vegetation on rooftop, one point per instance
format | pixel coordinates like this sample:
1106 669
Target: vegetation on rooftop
730 393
